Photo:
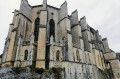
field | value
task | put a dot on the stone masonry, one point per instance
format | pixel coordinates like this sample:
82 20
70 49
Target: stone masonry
44 36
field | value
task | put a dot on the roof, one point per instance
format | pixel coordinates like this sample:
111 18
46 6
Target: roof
36 6
47 5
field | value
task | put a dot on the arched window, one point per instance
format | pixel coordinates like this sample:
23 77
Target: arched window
26 55
78 56
52 28
65 48
36 30
58 56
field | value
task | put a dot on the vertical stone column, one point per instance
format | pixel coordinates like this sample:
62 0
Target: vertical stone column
5 51
86 37
76 29
7 43
66 30
115 66
30 57
77 34
12 41
106 46
17 59
52 51
41 50
10 49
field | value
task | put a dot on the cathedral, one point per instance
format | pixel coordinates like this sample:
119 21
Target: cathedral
44 36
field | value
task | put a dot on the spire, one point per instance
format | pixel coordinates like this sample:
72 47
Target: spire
44 4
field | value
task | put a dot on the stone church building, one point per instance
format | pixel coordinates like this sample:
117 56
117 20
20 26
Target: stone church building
44 36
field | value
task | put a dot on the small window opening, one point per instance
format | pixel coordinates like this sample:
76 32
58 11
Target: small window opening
26 55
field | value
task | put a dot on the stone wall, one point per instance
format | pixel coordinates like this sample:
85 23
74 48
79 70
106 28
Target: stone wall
29 73
62 41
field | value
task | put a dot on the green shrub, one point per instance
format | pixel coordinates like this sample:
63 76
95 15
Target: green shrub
32 68
39 70
57 72
7 65
17 70
47 76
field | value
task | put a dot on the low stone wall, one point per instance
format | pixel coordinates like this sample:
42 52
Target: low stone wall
53 73
28 73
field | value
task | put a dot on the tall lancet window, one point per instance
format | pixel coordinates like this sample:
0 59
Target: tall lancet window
26 55
65 49
52 29
36 30
27 31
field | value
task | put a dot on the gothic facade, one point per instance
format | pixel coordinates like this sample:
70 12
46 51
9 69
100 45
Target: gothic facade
44 36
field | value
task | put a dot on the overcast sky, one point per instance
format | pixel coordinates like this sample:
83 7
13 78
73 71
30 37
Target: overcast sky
103 15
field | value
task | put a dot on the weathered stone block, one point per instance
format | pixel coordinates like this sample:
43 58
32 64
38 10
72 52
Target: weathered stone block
115 64
110 56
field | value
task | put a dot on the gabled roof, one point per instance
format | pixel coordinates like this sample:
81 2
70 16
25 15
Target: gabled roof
47 5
